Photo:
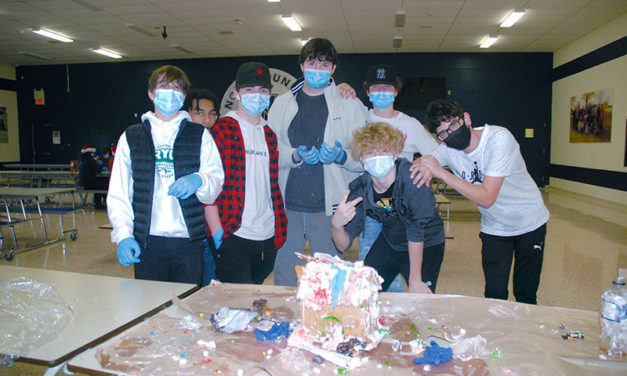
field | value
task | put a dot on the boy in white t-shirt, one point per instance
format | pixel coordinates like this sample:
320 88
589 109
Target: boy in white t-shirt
488 169
382 86
251 213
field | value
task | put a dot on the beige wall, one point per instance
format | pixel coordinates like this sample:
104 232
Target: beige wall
10 152
612 74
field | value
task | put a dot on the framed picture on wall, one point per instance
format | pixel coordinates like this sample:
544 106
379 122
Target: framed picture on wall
4 126
591 116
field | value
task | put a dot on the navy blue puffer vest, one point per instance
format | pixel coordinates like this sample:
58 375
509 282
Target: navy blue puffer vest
186 161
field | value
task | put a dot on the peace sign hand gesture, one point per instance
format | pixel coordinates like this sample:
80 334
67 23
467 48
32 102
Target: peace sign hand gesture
345 211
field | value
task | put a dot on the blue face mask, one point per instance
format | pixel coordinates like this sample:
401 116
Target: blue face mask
168 101
382 99
317 79
255 103
379 166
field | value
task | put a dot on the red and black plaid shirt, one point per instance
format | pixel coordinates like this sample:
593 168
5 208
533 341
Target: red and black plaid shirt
228 137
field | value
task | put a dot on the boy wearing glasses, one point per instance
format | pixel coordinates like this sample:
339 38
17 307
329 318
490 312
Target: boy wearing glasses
488 169
252 217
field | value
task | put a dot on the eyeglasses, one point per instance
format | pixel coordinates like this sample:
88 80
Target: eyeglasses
452 127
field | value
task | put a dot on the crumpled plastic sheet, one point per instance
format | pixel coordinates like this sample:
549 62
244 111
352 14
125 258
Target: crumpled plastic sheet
32 313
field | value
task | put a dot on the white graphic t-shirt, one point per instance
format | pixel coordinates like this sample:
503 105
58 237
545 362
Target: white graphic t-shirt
519 207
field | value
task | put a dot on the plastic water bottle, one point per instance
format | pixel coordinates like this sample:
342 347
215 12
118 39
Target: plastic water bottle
613 340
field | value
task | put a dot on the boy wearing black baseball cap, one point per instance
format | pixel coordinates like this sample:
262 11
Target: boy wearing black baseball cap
251 206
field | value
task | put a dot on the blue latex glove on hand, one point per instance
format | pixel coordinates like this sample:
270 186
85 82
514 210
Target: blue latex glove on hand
310 157
128 251
217 238
185 186
330 154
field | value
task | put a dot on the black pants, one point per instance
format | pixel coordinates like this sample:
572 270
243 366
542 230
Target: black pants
497 253
171 260
240 260
388 263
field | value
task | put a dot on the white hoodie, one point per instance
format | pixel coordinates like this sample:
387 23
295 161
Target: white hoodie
167 216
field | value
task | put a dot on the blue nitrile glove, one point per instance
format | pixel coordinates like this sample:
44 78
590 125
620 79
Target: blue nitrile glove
217 238
310 157
330 154
128 251
99 162
185 186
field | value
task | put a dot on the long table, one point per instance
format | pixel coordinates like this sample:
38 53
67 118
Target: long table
491 336
38 166
101 305
18 196
39 179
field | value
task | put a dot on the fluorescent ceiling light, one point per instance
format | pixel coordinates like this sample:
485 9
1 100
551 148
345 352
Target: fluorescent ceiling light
399 18
274 1
87 5
134 27
30 54
512 18
180 48
291 23
304 41
397 41
488 41
53 35
105 52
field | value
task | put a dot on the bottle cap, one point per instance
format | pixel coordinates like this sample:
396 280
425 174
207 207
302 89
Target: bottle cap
619 281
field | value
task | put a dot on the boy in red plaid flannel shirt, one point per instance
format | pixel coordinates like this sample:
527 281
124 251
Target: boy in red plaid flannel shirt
250 205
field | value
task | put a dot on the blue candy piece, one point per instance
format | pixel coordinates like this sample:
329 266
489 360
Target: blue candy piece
435 355
278 329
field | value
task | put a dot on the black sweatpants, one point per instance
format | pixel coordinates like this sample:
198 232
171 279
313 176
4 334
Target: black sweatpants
171 260
240 260
388 263
497 253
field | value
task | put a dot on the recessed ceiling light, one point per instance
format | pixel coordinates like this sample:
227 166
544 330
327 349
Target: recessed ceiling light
140 30
291 23
53 35
488 41
513 17
105 52
30 54
180 48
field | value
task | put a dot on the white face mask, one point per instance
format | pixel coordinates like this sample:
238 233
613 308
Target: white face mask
379 166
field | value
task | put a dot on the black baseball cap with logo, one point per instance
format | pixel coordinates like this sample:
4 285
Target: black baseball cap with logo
253 74
381 74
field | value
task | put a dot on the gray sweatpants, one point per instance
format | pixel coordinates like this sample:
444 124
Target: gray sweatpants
314 228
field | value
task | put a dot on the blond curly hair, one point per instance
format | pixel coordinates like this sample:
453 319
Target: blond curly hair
375 137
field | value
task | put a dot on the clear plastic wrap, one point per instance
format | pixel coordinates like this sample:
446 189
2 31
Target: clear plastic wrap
31 314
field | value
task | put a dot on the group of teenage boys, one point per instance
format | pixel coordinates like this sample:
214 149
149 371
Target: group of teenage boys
195 197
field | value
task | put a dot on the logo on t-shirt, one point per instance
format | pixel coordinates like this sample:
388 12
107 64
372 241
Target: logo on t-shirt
476 176
164 163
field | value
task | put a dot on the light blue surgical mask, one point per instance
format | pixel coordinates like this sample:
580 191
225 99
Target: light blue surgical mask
317 79
382 99
255 103
168 101
379 166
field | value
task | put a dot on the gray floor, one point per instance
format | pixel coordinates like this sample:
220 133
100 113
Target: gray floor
586 245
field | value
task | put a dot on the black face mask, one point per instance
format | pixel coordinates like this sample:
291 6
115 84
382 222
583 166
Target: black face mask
459 139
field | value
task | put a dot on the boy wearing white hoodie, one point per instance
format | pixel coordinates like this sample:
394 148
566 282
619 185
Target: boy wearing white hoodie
165 168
